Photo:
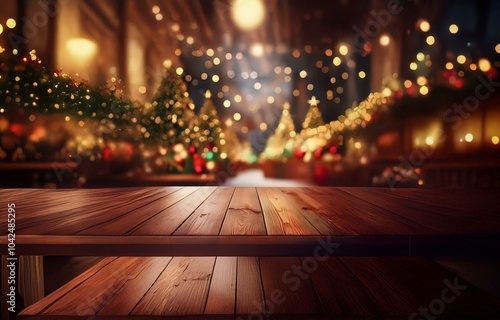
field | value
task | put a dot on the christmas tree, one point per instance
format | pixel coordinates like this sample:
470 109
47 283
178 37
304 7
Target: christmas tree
208 127
314 118
280 143
166 120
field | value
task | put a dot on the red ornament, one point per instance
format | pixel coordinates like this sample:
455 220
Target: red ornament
107 154
318 153
299 153
192 150
16 128
198 164
333 150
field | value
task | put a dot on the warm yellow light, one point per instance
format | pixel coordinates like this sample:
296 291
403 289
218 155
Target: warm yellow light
449 65
155 9
469 137
1 28
407 84
237 116
425 26
11 23
142 90
159 17
497 48
179 71
237 98
429 140
270 99
227 104
257 86
453 29
495 140
473 66
430 40
424 90
337 61
167 63
263 126
362 74
343 50
413 66
384 40
215 78
248 14
484 65
210 52
461 59
420 56
81 48
422 81
257 50
303 74
386 92
357 145
244 129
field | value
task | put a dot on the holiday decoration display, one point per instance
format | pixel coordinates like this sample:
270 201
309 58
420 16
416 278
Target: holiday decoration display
280 144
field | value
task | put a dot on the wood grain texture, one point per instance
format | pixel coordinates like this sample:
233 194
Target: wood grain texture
287 287
124 223
127 297
181 289
49 300
167 221
249 292
340 292
207 218
244 216
222 293
281 216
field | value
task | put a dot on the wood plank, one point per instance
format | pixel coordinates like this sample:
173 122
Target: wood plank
281 216
289 291
49 300
85 300
316 213
222 294
340 292
365 217
437 221
167 221
244 216
124 301
484 219
127 222
180 290
381 283
249 291
207 219
84 210
478 201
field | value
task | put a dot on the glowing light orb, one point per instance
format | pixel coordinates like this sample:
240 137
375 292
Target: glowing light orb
248 14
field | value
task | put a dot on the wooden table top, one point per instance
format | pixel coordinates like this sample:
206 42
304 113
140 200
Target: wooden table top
250 221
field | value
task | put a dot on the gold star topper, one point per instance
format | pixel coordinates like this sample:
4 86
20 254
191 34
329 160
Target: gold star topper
208 94
286 106
313 101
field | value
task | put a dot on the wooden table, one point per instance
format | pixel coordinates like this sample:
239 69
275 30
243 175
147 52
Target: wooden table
217 221
218 230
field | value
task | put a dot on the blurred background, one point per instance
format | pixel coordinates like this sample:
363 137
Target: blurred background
249 92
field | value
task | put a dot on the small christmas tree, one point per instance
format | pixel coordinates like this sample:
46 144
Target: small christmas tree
280 143
314 118
208 127
165 120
